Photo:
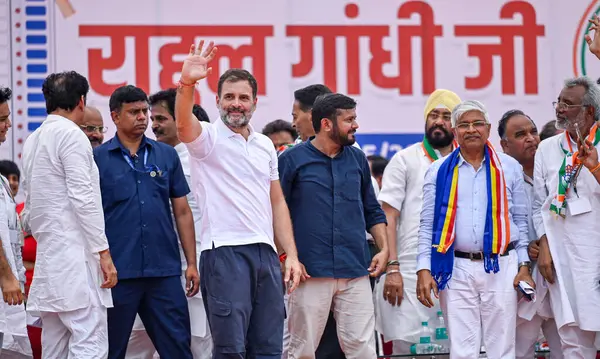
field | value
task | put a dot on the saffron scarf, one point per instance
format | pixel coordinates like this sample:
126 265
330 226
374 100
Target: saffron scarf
496 235
569 168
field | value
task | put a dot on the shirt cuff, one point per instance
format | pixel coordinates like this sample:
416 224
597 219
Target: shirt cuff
522 255
424 263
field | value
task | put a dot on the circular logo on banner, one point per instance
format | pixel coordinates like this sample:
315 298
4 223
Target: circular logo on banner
584 62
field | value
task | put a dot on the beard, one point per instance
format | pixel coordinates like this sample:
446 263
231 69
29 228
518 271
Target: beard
566 124
237 122
342 139
437 140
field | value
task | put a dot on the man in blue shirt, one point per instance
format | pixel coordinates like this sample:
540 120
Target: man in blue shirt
140 180
327 185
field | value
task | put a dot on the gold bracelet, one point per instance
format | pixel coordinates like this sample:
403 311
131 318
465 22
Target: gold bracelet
595 169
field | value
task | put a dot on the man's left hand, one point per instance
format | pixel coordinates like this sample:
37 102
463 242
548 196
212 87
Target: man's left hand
192 281
379 263
587 154
524 275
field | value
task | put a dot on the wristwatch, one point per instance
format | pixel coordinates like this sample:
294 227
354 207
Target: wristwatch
525 264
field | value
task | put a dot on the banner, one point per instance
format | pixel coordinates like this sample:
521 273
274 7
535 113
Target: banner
388 55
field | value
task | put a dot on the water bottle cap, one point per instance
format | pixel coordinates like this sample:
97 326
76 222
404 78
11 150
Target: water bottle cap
424 324
440 313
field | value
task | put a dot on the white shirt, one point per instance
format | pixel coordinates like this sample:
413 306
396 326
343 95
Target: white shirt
63 209
231 179
575 251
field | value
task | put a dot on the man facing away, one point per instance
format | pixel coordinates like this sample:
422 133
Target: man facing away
565 214
473 220
327 184
519 139
234 174
74 268
398 313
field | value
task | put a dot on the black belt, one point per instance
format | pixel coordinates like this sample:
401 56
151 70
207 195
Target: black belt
479 255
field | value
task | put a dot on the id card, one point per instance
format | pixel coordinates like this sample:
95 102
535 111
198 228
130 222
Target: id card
579 206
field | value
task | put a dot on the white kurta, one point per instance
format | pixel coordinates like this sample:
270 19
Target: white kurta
15 330
63 211
576 292
403 189
541 306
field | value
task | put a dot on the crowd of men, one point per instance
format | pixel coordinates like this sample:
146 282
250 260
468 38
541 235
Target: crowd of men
215 240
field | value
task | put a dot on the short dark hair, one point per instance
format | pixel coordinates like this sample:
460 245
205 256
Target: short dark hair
8 168
200 114
235 75
306 96
63 90
507 116
5 94
168 97
126 94
328 106
548 130
378 164
279 126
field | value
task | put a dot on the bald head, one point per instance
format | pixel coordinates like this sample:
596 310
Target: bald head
93 126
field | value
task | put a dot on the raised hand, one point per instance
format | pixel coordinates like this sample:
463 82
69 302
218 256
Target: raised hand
195 66
594 43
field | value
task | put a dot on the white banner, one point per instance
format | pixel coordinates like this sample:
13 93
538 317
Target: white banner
388 55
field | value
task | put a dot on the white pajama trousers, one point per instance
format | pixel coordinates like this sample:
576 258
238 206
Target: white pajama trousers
77 334
480 305
577 343
528 332
352 303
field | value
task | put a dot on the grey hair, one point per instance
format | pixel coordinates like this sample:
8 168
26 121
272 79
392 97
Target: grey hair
592 93
468 106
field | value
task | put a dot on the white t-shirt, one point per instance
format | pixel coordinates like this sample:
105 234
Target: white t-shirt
231 180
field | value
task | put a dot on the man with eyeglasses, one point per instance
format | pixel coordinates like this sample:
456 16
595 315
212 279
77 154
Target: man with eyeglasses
565 213
473 239
93 126
398 315
519 139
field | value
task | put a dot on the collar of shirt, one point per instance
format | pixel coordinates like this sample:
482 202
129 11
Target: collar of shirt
462 161
225 131
528 179
115 144
313 148
53 118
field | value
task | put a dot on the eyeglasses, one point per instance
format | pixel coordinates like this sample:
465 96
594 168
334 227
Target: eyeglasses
92 129
434 116
478 125
565 106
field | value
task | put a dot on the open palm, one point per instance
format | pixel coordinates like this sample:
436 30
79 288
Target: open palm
594 43
195 66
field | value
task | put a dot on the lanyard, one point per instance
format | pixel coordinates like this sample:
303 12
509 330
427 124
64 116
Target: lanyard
153 170
528 181
578 170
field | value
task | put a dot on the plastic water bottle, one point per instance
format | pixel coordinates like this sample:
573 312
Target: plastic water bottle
441 334
424 346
